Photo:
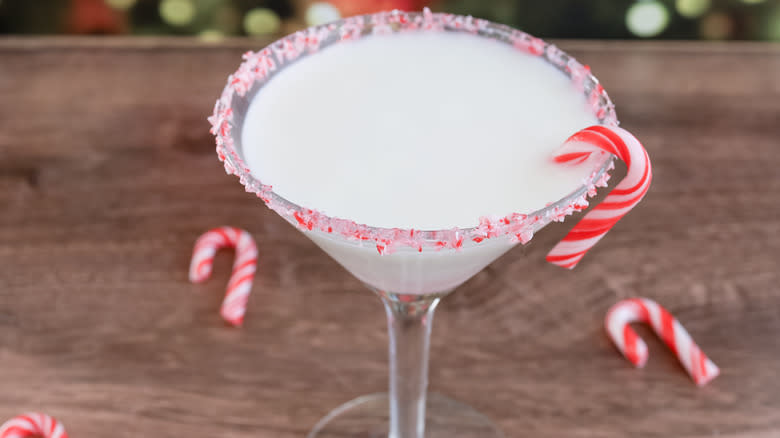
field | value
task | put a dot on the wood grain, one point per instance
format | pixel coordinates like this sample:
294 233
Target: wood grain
108 174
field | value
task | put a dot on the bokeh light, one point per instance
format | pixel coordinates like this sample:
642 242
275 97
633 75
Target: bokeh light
773 25
716 26
321 13
692 8
261 21
211 35
177 12
121 4
752 2
647 18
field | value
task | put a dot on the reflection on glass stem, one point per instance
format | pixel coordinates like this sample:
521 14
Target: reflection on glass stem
409 321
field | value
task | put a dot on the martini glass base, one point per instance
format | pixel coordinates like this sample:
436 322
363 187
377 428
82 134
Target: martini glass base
368 417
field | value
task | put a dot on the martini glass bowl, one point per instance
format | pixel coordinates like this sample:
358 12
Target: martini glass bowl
409 270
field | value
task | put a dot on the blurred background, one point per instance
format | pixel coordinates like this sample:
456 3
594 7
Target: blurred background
213 20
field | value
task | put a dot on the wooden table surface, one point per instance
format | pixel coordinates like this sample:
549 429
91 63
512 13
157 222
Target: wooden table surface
108 174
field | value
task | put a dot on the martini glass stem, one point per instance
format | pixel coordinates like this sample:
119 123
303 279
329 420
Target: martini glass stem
409 320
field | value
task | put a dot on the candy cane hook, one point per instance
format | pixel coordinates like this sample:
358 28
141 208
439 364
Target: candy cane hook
699 367
32 424
627 194
244 266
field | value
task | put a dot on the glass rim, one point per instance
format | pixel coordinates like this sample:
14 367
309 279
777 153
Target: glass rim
259 67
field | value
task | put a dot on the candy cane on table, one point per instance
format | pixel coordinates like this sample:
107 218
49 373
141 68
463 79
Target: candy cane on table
32 424
699 367
244 266
627 194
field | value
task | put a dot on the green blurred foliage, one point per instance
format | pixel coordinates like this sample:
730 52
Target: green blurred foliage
606 19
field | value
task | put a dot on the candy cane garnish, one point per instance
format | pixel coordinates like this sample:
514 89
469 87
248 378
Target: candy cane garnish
32 425
568 252
244 266
699 367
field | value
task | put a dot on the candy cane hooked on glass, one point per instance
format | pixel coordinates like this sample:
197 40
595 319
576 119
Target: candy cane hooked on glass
244 266
627 194
699 367
32 424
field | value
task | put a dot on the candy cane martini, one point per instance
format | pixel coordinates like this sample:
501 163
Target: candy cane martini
423 131
414 148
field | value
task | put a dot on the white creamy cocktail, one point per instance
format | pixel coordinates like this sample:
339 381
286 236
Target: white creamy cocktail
414 148
423 131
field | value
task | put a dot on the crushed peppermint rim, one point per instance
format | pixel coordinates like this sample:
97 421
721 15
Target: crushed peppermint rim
259 67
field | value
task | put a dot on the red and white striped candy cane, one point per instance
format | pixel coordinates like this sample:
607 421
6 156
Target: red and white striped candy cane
568 252
700 368
244 266
32 424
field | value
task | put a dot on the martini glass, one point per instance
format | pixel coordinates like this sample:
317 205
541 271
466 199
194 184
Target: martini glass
409 270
